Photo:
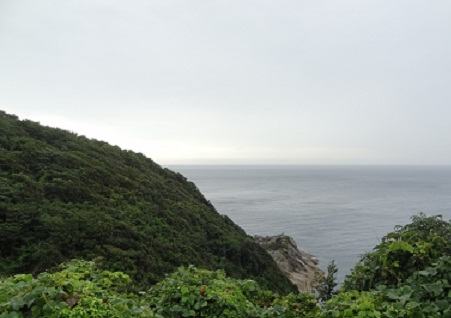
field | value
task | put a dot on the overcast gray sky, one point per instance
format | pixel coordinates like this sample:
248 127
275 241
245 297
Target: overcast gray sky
247 82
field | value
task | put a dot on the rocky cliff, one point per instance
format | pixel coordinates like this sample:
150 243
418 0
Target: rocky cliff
300 267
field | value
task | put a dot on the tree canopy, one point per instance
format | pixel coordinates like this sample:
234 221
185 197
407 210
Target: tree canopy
64 196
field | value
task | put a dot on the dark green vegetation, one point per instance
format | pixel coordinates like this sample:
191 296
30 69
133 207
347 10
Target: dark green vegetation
64 196
402 253
407 275
326 287
378 287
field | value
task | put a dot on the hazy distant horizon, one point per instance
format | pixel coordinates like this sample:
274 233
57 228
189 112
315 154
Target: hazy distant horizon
255 82
289 166
238 163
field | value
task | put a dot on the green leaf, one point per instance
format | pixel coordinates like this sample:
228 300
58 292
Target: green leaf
184 290
17 303
436 288
442 304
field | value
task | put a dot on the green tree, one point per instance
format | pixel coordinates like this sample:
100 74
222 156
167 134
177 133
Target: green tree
326 287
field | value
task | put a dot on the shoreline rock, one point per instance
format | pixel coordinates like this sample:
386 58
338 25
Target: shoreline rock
300 267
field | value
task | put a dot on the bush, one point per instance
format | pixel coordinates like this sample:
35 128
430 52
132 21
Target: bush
192 292
79 289
401 253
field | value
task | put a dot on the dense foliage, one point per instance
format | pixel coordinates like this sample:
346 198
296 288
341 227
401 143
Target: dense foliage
81 290
402 253
78 290
407 275
426 294
64 196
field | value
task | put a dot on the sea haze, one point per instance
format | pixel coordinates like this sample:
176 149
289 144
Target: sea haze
334 212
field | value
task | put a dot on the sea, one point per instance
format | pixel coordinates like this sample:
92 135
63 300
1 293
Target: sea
333 212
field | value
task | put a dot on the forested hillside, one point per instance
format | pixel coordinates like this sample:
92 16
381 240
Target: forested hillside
407 275
64 196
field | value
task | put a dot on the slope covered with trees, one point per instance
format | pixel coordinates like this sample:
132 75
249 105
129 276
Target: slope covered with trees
407 275
64 196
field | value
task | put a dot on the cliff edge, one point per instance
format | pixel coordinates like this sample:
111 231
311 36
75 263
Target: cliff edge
300 267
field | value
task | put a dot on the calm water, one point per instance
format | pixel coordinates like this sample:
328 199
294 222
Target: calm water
333 212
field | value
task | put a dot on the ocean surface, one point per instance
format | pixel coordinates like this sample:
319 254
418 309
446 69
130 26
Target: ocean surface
333 212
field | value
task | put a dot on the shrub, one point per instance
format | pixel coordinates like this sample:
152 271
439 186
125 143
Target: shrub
401 253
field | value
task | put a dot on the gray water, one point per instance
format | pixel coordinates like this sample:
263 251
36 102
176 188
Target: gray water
334 212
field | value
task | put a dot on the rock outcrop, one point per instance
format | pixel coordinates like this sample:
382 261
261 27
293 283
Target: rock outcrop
300 267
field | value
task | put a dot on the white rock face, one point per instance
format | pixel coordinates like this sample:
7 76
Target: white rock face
300 267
